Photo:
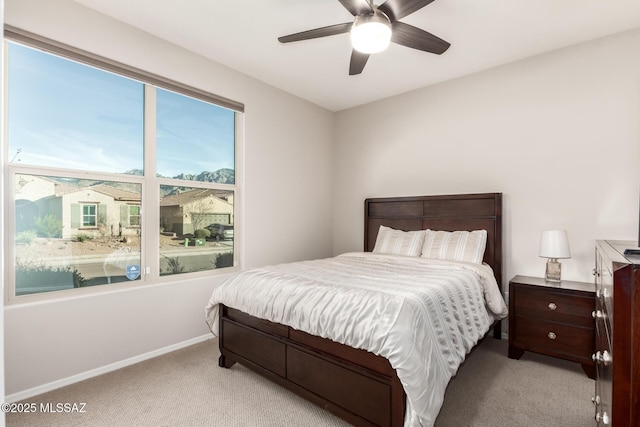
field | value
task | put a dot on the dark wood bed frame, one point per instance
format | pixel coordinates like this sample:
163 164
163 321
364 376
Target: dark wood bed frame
356 385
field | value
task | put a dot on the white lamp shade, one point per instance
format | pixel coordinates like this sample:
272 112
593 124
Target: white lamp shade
554 244
370 34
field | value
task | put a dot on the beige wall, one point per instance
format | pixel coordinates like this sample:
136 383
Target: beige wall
2 239
88 196
558 134
285 166
32 187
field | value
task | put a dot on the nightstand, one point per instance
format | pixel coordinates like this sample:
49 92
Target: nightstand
554 319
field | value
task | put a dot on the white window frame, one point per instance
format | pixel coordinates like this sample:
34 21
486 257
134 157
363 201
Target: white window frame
139 216
150 184
86 216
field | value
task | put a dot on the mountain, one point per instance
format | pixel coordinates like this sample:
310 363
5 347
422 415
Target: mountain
221 176
137 172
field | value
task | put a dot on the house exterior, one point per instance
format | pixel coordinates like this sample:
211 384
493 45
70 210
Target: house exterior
185 212
98 209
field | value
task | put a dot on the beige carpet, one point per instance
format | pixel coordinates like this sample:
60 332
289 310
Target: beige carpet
187 388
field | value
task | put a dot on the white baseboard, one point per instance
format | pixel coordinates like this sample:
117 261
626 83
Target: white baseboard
16 397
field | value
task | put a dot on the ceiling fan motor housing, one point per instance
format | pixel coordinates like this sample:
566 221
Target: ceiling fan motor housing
371 33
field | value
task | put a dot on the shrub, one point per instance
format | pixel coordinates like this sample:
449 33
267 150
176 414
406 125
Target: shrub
49 226
26 237
104 230
224 260
35 276
201 233
83 237
173 266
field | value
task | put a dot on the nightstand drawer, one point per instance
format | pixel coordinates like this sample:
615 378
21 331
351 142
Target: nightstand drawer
554 339
555 305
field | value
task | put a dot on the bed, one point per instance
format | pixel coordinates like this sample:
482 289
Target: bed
366 374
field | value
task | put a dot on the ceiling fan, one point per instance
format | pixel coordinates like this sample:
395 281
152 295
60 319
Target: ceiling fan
374 27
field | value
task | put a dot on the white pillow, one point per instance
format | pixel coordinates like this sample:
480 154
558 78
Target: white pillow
466 246
398 242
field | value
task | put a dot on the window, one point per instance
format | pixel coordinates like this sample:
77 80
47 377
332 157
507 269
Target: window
134 216
88 207
206 217
63 243
88 214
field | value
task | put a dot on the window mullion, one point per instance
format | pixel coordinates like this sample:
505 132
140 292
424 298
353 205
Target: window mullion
150 211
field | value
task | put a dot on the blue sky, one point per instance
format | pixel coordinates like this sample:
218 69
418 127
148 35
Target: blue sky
67 115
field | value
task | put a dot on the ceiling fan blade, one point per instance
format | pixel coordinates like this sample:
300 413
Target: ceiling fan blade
357 7
358 61
410 36
331 30
398 9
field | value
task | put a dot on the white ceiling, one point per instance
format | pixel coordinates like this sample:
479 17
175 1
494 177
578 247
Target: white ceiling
242 34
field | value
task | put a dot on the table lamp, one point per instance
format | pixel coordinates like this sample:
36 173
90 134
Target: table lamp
554 245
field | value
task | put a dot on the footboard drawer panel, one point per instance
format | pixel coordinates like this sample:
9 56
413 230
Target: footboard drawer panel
257 348
361 357
337 384
254 322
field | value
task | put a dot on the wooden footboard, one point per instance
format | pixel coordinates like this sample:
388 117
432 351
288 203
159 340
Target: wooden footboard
355 385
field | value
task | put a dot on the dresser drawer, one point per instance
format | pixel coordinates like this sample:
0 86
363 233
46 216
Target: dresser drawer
555 305
555 339
603 398
604 371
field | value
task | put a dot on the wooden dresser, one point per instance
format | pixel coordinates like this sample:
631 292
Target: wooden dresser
617 355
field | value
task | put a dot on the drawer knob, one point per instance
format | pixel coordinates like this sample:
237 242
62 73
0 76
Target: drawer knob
602 418
602 357
597 314
552 306
551 336
595 400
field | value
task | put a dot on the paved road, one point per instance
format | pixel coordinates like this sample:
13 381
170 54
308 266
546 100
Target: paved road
188 258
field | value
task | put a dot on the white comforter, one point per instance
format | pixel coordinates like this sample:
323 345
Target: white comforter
423 315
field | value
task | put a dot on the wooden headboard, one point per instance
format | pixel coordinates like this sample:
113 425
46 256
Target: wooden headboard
449 213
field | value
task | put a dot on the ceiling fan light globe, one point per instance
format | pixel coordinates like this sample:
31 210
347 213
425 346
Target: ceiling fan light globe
370 34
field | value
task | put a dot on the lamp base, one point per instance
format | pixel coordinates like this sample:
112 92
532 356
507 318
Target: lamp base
553 270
